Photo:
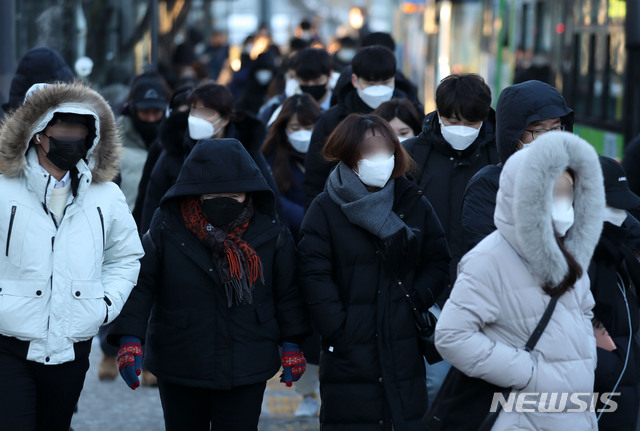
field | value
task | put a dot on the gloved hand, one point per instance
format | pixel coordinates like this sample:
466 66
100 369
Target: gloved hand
293 363
130 360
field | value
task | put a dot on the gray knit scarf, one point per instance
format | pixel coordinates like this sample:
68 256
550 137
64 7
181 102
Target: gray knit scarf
372 211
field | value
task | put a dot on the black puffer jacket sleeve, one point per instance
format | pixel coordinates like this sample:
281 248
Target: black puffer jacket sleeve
135 314
162 177
317 169
433 276
478 206
315 263
291 312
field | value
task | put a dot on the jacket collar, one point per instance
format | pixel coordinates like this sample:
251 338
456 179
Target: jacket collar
41 183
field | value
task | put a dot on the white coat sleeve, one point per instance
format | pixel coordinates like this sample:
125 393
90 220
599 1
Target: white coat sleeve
122 254
473 304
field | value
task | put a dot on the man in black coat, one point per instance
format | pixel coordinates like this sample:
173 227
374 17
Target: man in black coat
524 112
457 140
374 67
614 273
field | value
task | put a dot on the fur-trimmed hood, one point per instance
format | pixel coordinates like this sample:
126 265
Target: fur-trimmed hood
524 201
18 128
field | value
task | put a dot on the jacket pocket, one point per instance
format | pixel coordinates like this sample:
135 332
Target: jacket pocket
11 220
23 308
16 229
87 310
104 234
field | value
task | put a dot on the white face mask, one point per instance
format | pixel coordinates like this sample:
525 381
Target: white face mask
402 138
562 215
459 137
200 128
291 87
615 216
376 170
375 95
300 140
264 76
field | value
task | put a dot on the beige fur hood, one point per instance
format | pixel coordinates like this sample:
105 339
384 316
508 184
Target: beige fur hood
19 126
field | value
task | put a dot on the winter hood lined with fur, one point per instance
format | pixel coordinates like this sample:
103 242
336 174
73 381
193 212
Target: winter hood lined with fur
18 128
523 208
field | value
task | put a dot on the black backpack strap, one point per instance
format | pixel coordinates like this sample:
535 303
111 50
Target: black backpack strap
542 324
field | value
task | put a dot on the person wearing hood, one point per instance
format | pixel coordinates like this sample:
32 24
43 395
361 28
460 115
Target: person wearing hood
70 250
615 277
38 65
211 116
367 239
216 295
525 112
372 84
549 215
140 122
457 140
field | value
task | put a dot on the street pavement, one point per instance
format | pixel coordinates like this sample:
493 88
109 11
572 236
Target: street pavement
111 406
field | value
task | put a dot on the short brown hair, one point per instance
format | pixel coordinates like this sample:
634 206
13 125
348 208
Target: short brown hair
343 144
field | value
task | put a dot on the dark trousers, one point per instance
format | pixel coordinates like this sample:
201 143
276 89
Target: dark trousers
38 397
199 409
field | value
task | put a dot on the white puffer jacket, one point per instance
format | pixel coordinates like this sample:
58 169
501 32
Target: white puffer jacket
497 299
58 285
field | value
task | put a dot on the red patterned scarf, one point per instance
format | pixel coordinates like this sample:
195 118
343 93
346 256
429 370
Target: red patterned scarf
238 264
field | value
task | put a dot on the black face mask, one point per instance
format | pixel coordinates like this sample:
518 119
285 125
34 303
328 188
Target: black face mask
66 154
315 91
221 211
148 131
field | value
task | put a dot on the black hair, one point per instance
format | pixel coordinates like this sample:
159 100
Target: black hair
404 110
464 96
310 63
374 63
214 96
381 39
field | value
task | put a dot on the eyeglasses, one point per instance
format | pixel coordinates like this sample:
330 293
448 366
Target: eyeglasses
535 134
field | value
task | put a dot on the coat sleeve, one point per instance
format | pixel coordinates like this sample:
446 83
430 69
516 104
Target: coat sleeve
433 275
478 206
475 303
315 263
159 184
317 169
291 313
135 314
122 254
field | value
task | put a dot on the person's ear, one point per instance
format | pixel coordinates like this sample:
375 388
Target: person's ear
38 137
354 80
224 122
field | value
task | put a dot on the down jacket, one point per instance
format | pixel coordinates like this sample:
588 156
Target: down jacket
497 300
59 284
372 375
179 307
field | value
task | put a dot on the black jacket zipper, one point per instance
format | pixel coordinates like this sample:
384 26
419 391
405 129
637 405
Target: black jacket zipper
13 216
102 224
